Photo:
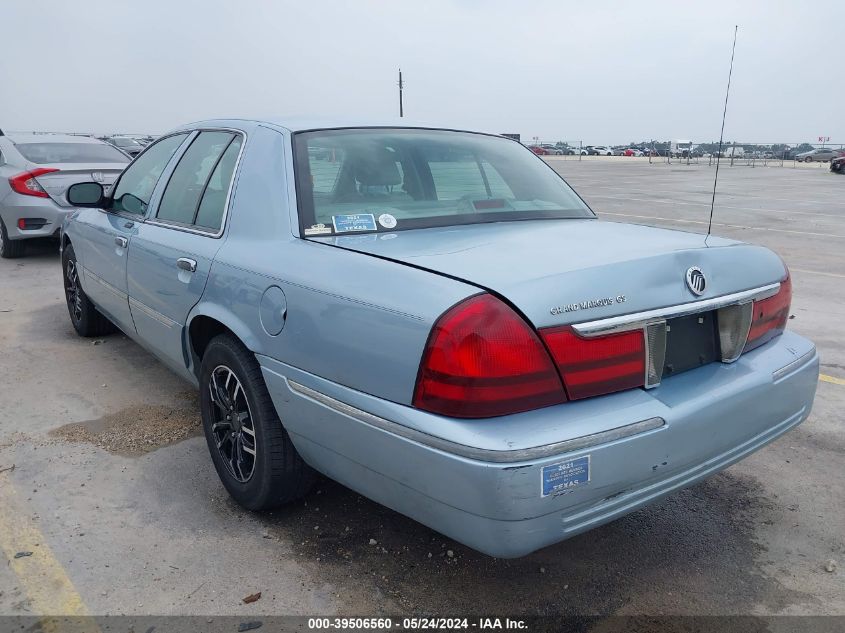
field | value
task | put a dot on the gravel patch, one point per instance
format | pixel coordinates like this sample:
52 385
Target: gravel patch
135 431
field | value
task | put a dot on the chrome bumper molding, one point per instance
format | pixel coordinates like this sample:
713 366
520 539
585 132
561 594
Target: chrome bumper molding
479 454
639 320
654 327
794 365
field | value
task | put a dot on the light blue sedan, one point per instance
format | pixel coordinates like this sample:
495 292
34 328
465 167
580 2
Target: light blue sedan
436 320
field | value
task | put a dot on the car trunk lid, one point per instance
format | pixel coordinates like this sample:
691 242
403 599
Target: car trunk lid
56 183
559 272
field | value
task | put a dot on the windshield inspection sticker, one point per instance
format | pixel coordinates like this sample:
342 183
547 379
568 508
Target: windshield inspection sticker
387 220
318 229
354 222
560 478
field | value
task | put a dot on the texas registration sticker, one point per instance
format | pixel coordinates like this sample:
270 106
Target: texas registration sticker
563 476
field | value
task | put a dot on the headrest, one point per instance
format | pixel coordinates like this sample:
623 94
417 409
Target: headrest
376 166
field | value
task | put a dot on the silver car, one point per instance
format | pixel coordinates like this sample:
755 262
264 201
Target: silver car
821 154
35 172
127 144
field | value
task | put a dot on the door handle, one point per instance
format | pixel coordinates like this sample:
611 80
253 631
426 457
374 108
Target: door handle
121 241
185 263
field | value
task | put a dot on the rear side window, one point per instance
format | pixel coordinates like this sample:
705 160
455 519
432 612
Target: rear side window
44 153
136 184
213 203
197 170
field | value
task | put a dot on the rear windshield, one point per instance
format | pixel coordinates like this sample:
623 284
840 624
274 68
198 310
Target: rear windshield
43 153
365 180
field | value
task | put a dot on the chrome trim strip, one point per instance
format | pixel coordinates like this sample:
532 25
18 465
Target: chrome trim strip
118 293
794 365
638 320
470 452
747 315
156 316
654 335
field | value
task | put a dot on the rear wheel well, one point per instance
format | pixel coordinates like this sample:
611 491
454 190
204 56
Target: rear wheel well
200 333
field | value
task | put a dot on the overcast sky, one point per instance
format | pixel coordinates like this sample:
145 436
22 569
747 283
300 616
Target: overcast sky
601 72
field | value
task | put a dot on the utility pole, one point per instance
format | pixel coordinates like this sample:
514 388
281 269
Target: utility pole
401 85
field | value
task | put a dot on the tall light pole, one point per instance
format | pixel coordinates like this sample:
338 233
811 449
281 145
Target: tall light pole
401 85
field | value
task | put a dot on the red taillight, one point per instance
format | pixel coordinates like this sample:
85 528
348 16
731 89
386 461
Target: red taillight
597 365
483 360
27 184
770 316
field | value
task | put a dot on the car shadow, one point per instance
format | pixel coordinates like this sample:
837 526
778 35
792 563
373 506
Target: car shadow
693 552
41 249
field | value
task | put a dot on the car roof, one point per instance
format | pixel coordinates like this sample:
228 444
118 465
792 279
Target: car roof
302 124
50 138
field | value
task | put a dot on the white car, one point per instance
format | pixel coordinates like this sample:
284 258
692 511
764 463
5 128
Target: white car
601 150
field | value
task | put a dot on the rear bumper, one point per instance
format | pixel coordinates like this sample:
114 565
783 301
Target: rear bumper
15 207
480 482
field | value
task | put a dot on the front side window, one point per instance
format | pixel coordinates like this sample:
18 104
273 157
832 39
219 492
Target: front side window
45 153
198 170
135 187
394 179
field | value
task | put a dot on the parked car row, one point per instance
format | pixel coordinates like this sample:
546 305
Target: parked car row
127 144
685 149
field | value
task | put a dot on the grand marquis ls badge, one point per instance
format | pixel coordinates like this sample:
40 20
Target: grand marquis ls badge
696 281
587 304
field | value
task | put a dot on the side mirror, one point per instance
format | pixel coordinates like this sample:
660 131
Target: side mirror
86 194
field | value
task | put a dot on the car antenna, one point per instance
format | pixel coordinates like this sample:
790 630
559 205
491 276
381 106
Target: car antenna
721 137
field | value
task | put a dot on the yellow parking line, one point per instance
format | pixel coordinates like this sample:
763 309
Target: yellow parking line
47 586
831 379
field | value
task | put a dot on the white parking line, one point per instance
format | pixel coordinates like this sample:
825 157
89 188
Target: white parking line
840 202
733 226
718 205
817 272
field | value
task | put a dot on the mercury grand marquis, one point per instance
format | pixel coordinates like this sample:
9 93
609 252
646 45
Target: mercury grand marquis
436 320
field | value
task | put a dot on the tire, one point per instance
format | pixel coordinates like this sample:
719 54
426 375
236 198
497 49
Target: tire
10 249
85 318
266 471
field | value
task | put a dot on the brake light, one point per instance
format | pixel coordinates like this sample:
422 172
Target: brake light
770 316
27 184
597 365
483 360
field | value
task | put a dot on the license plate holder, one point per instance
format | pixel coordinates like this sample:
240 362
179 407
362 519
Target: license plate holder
691 341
